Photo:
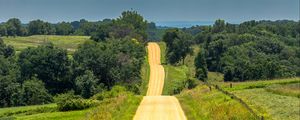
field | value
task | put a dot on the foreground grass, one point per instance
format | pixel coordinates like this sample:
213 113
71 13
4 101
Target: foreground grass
26 110
122 107
269 105
145 75
175 79
163 48
70 43
201 103
288 90
69 115
256 84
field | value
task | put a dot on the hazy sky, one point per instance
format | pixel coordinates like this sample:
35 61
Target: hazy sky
152 10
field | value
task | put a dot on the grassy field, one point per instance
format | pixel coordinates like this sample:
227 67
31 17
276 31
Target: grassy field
175 78
274 99
269 105
255 84
201 103
288 90
121 108
70 43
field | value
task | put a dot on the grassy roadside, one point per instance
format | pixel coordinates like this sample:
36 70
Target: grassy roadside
201 103
269 105
269 98
175 76
122 107
70 43
175 79
163 48
145 75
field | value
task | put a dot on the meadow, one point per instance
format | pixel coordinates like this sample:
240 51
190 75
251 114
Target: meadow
70 43
203 103
268 98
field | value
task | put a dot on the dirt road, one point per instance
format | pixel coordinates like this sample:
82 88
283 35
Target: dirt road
154 106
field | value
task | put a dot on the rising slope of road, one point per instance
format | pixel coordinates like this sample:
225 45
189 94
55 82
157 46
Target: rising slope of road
154 106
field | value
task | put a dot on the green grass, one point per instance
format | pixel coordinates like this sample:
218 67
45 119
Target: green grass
201 103
69 115
256 84
175 78
70 43
122 107
145 75
288 89
215 77
272 106
23 110
163 53
190 60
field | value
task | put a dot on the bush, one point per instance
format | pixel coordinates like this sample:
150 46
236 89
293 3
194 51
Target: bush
34 92
114 92
69 101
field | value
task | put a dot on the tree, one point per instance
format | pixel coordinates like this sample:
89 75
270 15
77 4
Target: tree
14 27
49 64
39 27
219 26
87 84
116 61
64 28
10 89
178 45
132 18
5 50
201 66
3 30
34 92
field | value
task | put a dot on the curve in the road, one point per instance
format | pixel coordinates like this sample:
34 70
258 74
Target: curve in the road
154 106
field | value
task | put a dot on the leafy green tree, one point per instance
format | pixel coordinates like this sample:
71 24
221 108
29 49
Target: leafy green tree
3 30
87 84
50 64
219 26
5 50
14 27
201 66
34 92
39 27
132 18
116 61
64 28
178 45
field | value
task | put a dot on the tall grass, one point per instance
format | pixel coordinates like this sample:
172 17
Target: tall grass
288 90
269 105
201 103
175 79
122 107
232 86
145 75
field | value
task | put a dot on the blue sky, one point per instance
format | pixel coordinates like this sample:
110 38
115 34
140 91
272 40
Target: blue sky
153 10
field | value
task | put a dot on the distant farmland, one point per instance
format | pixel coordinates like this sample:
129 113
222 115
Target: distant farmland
70 43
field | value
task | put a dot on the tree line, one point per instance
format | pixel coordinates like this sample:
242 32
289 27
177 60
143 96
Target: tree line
99 30
251 50
37 74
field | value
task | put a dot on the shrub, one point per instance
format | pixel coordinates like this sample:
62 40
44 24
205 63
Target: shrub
69 101
114 92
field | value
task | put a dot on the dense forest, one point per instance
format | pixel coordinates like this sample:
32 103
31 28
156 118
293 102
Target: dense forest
99 30
37 74
251 50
